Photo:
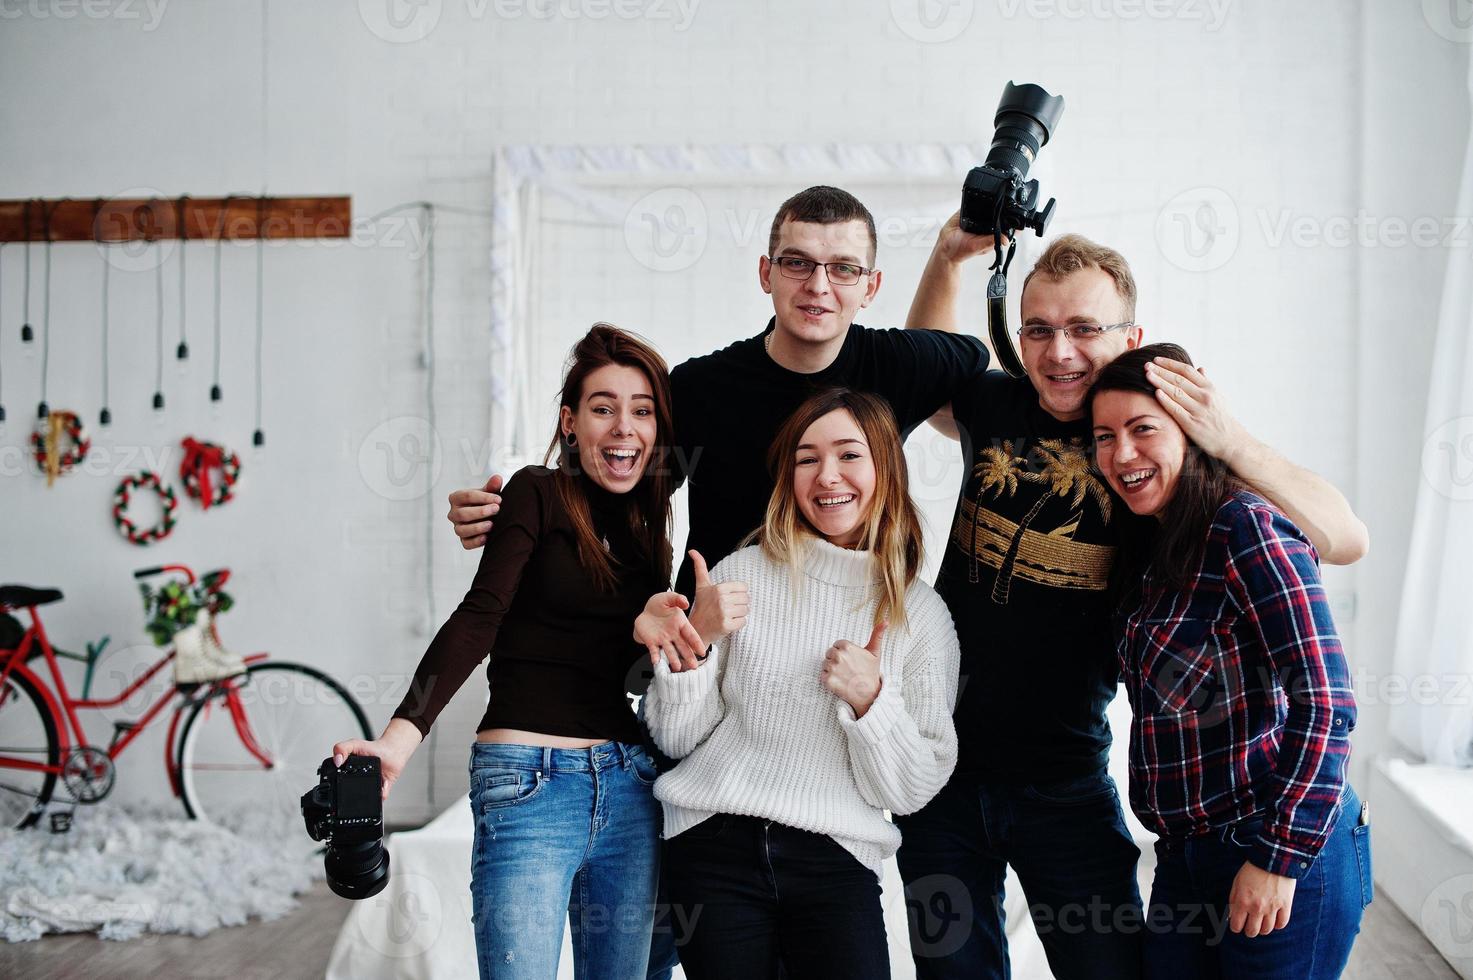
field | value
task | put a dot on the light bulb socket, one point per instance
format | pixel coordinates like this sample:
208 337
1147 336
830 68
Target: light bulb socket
259 439
214 393
182 351
158 401
42 411
105 417
26 333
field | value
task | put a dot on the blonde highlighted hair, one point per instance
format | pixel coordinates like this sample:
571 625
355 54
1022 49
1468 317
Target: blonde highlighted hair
892 529
1070 253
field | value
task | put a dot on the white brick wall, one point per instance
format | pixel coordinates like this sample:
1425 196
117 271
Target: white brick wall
1265 106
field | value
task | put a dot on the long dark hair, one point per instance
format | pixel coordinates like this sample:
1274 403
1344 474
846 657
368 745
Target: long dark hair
1171 547
650 516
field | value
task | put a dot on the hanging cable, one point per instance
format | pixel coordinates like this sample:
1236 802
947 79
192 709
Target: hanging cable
26 334
258 438
181 353
43 410
215 393
105 417
158 321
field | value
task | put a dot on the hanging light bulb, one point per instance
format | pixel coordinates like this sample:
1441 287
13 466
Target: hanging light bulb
105 417
158 326
258 438
215 393
27 335
181 353
42 409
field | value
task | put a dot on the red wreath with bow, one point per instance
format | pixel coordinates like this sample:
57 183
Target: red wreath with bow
200 460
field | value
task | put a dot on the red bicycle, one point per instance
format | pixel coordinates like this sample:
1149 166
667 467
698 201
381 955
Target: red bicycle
239 752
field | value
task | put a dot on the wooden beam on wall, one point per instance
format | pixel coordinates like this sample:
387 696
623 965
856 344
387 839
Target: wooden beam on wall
148 219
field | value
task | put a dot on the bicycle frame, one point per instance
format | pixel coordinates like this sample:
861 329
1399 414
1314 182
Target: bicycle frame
64 711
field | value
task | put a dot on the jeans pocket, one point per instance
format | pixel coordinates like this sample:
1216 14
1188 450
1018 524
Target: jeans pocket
494 788
1362 837
642 767
1069 792
708 829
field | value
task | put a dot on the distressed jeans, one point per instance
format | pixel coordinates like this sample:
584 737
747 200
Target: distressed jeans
563 835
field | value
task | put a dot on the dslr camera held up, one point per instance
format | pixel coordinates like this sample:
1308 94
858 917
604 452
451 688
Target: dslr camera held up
346 809
998 198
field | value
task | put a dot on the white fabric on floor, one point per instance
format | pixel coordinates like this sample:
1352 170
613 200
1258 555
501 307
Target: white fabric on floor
419 926
121 873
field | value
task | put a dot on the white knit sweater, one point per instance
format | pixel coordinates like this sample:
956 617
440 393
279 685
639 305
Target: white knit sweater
757 733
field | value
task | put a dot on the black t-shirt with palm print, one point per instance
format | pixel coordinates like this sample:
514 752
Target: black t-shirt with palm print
1025 575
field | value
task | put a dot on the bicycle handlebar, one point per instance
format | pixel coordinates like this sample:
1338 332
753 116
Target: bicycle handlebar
160 569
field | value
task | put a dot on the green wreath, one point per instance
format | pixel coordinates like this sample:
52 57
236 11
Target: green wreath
124 494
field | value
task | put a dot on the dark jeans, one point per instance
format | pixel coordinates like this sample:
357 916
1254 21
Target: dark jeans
1187 931
756 896
664 957
1076 861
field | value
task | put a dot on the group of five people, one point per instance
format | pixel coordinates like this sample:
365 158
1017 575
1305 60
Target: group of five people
1116 524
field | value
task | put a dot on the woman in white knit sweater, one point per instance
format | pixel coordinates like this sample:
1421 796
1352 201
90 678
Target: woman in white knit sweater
794 733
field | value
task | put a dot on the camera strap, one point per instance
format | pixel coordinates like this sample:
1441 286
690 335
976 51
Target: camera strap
997 313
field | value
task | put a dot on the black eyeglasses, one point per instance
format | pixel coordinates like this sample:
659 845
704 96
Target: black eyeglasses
839 273
1080 333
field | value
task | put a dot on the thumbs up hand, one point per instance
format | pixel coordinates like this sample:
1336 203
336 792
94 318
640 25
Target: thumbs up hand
852 672
720 610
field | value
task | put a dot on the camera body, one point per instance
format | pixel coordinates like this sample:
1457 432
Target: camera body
998 196
346 809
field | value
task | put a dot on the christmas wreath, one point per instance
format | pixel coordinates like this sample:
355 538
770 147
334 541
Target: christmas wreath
50 456
124 495
200 458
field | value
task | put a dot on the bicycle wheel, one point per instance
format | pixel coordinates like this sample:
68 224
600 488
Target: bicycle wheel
290 711
27 732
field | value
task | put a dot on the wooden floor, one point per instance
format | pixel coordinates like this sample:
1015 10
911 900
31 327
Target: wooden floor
1389 948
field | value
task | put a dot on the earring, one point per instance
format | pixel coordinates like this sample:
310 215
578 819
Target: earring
571 439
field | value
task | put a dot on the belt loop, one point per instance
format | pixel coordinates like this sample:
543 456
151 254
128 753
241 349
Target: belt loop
622 751
546 760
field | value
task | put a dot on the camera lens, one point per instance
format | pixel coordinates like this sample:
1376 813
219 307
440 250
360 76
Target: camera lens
357 870
1025 117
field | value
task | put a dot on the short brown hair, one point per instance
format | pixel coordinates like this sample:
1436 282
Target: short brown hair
823 205
1070 253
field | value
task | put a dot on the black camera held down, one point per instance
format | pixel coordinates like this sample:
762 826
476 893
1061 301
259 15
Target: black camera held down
346 809
998 198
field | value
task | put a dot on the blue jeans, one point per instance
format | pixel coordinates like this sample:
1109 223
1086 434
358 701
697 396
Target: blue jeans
1073 855
1187 931
759 899
563 834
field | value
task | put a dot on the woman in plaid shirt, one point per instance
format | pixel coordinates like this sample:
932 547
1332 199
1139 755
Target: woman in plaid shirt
1242 707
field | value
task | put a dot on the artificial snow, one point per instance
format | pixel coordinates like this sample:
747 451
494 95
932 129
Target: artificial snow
121 873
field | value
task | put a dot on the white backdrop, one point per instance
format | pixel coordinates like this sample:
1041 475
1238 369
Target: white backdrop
1203 141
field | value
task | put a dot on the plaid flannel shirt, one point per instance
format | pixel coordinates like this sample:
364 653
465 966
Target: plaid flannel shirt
1240 692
